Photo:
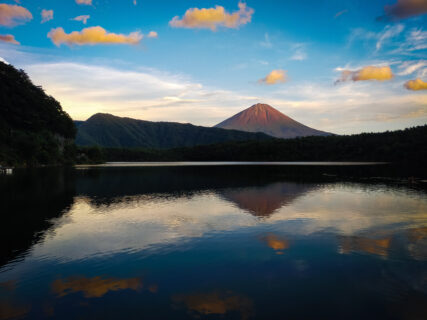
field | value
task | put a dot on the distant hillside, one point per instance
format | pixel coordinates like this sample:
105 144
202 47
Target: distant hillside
407 146
33 127
264 118
107 130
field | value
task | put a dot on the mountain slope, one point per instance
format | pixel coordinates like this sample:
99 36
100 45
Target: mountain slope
33 127
266 119
107 130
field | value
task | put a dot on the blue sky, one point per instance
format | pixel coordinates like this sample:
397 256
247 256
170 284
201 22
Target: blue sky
202 72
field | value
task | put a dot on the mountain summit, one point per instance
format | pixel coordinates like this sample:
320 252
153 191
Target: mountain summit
264 118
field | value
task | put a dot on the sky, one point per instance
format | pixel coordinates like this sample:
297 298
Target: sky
342 66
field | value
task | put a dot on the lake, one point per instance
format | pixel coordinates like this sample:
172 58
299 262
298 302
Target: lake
230 241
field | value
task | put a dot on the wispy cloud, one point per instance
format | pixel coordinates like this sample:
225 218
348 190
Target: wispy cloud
85 89
212 18
274 77
410 67
47 15
299 52
92 36
83 18
266 43
84 2
388 33
8 38
340 13
12 15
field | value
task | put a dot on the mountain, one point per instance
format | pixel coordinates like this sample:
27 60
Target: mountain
106 130
264 118
33 127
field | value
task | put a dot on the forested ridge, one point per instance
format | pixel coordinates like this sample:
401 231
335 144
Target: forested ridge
34 129
106 130
409 145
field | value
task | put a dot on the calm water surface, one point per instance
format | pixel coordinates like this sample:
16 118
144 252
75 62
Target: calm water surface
212 242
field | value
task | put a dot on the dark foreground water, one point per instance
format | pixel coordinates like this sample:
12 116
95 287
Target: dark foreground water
213 242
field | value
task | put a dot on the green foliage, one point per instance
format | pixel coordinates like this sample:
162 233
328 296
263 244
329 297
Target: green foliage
90 155
34 130
407 145
109 131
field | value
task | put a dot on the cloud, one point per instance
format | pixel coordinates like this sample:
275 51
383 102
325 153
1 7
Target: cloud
85 89
266 43
95 287
274 77
416 40
416 85
387 33
8 38
84 2
212 18
299 53
216 303
135 2
92 36
366 73
409 67
152 34
340 13
12 15
405 9
46 15
83 18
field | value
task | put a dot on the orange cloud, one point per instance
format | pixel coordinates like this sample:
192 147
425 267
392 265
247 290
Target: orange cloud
367 73
152 34
216 303
373 246
46 15
416 85
276 243
8 38
94 287
84 2
406 8
83 18
212 18
12 15
92 36
274 77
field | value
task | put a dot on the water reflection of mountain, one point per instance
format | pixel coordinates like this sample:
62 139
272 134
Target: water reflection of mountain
28 201
260 190
107 186
263 201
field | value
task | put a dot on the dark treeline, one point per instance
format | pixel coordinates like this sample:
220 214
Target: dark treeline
34 130
33 127
409 145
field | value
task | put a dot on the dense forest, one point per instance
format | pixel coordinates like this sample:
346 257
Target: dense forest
407 145
106 130
34 130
